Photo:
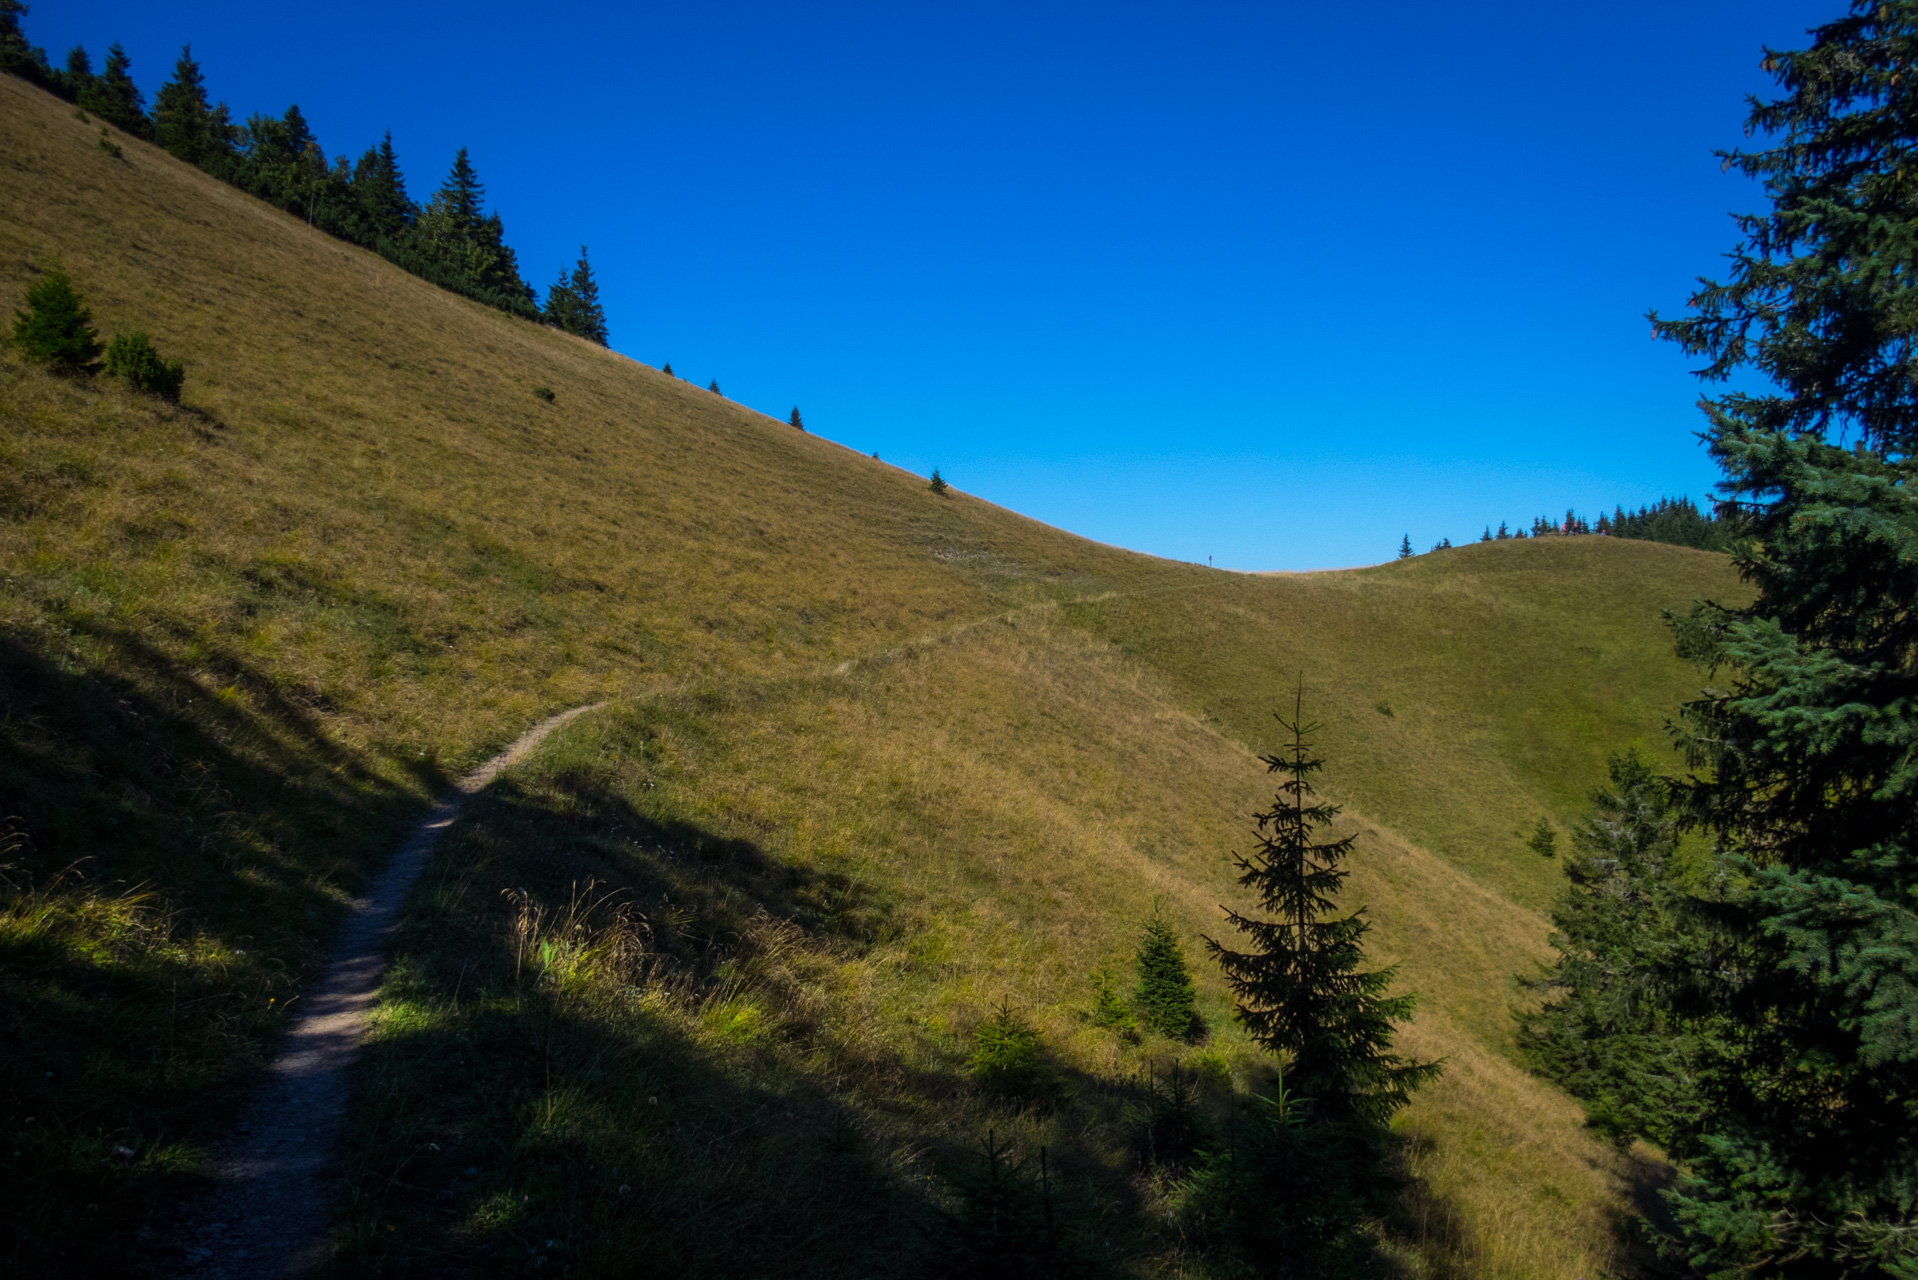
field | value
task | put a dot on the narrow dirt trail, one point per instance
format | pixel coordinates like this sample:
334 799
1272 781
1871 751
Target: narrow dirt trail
269 1213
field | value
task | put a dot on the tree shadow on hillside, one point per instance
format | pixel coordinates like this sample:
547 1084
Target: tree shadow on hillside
698 1111
168 860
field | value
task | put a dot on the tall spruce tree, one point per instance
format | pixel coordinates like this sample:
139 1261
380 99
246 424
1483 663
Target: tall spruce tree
1301 987
19 58
379 191
1807 761
78 75
114 97
182 117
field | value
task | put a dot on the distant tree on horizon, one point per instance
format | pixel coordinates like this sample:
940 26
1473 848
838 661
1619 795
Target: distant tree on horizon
796 420
182 116
1405 547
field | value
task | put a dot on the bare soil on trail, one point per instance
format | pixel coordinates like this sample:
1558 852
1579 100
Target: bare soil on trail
269 1211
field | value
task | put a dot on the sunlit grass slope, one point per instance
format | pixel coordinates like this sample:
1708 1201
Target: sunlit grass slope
885 758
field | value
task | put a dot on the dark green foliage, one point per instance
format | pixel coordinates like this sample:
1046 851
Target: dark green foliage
1544 839
1171 1126
713 387
1405 547
1008 1060
667 369
1164 999
182 117
1629 947
1487 535
1006 1224
77 76
796 422
132 357
1503 532
108 145
19 58
1286 1195
1109 1008
572 303
1300 987
114 97
1674 520
544 393
1805 753
937 484
379 191
56 328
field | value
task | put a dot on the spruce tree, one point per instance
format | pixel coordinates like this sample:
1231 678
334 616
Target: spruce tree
19 58
1405 547
1629 947
56 327
114 97
573 304
1300 987
1165 999
1805 754
182 117
796 421
379 190
78 76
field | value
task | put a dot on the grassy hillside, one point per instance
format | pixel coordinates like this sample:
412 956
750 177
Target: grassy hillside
881 759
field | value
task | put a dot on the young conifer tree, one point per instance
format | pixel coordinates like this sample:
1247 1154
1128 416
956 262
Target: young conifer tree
796 421
1165 999
56 327
1301 987
1405 547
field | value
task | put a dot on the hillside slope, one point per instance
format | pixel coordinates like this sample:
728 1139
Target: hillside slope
949 755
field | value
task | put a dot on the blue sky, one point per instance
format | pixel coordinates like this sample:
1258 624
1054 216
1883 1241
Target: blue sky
1273 283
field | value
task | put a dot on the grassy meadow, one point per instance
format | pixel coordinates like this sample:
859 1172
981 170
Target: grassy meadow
693 989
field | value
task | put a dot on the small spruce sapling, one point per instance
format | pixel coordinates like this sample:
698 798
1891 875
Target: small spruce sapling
667 368
132 358
1544 840
713 387
1109 1007
1007 1057
56 328
1405 547
937 484
1165 998
796 421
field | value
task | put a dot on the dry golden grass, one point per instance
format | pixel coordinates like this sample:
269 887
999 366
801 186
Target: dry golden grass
241 641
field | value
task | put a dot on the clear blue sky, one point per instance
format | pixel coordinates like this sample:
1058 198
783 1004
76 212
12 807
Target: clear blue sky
1270 282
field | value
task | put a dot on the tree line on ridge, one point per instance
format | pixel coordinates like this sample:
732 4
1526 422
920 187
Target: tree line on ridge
451 240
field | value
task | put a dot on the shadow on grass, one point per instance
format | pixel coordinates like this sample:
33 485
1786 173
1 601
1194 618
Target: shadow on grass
173 856
697 1109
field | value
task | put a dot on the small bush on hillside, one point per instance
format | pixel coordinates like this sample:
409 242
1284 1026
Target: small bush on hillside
1007 1057
667 368
1165 999
1544 840
108 145
714 387
56 328
1384 708
1109 1007
544 393
132 357
937 484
